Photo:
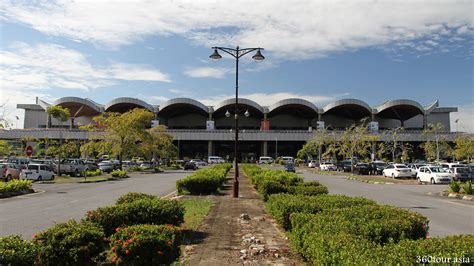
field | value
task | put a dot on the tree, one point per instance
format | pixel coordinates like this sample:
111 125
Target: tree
58 112
356 141
95 148
5 148
314 146
464 148
436 144
157 144
68 149
124 131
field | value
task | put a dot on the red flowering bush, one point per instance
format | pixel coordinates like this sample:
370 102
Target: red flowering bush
145 244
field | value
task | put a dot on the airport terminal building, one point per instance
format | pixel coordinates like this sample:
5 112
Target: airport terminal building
279 129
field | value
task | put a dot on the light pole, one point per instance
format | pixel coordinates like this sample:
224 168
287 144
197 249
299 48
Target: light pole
236 53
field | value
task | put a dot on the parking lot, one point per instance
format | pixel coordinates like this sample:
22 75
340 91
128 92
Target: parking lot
55 203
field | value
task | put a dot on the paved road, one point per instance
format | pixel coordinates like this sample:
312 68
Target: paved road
447 216
29 214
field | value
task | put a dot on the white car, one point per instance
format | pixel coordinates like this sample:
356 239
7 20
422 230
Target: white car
396 170
415 168
37 172
199 162
215 159
434 175
313 164
265 160
327 167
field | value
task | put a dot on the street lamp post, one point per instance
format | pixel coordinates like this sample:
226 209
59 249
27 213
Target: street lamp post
236 53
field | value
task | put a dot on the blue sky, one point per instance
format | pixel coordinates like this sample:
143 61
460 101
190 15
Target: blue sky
317 50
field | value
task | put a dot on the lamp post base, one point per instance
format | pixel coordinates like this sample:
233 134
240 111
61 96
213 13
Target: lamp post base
236 188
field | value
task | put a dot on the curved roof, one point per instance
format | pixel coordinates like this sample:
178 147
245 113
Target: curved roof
79 106
187 101
242 101
297 106
126 103
401 109
349 107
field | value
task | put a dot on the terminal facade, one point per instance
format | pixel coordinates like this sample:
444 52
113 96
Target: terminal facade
276 130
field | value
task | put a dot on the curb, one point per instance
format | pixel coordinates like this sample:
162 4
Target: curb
171 195
16 193
454 196
370 182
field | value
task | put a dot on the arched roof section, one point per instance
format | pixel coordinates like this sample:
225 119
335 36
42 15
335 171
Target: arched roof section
352 108
124 104
242 101
79 107
401 109
295 106
181 105
430 107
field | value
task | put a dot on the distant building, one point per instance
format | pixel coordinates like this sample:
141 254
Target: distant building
281 128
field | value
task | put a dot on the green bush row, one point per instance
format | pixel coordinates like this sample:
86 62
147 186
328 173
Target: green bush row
140 211
456 187
93 172
15 185
140 225
119 173
205 181
281 206
136 168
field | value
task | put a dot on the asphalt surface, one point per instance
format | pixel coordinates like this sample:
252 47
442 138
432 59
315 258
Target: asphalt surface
56 203
447 216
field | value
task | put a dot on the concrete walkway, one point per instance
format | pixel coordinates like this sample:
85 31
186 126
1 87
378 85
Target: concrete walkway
238 231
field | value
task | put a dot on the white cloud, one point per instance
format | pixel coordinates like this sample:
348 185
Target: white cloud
290 29
158 99
26 67
206 72
465 119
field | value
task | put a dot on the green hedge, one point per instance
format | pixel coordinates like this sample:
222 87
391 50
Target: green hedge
93 172
281 206
133 196
15 185
141 211
119 173
70 243
145 245
205 181
16 251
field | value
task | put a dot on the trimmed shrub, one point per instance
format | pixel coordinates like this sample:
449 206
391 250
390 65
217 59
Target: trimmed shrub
204 181
71 242
141 211
467 187
311 183
16 185
308 190
268 187
133 196
16 251
455 186
145 245
377 223
119 173
280 206
157 169
96 172
136 168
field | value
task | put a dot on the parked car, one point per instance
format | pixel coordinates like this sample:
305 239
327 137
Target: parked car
128 164
91 165
396 170
37 172
265 160
362 168
376 167
460 173
327 167
106 166
313 164
287 159
290 167
215 159
344 166
21 162
434 175
199 162
11 171
190 165
414 168
146 165
73 167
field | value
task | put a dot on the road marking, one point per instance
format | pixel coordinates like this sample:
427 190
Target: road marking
73 201
169 195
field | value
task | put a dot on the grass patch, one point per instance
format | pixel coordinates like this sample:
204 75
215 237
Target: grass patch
320 172
196 210
95 179
369 178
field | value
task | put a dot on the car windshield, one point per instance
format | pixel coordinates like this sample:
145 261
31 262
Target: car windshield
462 170
380 164
438 170
401 166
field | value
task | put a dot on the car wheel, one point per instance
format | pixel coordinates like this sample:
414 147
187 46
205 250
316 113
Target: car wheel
9 177
76 173
432 181
418 180
393 176
40 178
